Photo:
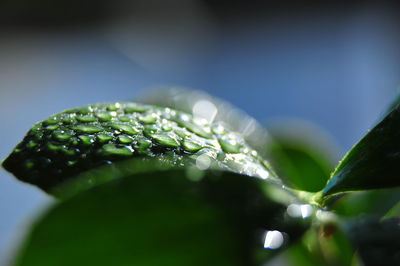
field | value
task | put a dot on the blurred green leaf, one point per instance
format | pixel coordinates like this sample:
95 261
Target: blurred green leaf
326 245
374 203
301 153
336 246
372 163
161 218
306 252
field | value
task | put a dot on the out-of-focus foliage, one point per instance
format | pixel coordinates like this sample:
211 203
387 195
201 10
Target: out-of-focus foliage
162 218
301 154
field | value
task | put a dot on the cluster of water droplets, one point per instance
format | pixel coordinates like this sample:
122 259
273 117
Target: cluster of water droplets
102 133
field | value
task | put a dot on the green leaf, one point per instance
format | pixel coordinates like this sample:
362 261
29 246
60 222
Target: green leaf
84 138
372 163
161 218
301 154
372 203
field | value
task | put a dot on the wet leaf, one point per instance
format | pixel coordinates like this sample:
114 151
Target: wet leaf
203 105
84 138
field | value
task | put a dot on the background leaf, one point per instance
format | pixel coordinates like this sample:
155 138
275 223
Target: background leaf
373 203
301 154
161 218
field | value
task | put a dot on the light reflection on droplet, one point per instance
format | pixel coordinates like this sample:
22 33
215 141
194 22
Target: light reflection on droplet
299 210
185 117
273 240
205 109
203 162
264 174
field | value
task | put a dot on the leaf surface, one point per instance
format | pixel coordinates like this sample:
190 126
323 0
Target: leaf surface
372 163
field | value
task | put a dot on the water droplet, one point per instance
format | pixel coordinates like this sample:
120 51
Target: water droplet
181 132
149 118
125 139
218 129
197 129
229 145
111 149
70 152
86 140
143 145
61 136
166 128
52 147
31 144
148 130
113 107
165 139
68 120
90 129
124 118
50 121
191 146
86 118
104 138
262 173
125 128
104 116
52 127
84 110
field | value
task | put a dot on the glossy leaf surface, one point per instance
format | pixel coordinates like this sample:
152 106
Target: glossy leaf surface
83 138
372 163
